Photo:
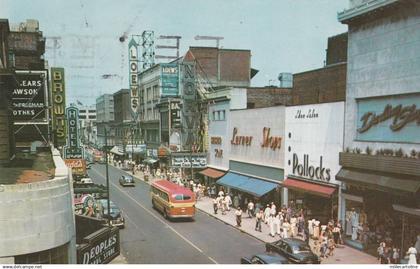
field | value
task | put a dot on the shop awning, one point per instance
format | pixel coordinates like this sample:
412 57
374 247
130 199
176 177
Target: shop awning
150 161
317 189
212 173
407 210
254 186
382 182
115 150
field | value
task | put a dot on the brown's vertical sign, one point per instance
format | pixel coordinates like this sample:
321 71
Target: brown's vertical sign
58 96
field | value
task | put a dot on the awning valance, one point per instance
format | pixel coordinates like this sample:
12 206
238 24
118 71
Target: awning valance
212 173
317 189
251 185
388 183
150 161
407 210
115 150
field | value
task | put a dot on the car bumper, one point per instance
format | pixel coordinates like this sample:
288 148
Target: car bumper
117 223
180 216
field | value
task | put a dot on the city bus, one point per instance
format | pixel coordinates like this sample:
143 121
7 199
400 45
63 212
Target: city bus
172 200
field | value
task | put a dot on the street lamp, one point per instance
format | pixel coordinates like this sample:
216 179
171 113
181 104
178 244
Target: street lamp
107 176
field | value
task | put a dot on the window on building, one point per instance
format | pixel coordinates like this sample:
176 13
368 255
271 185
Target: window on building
82 117
58 255
82 111
250 105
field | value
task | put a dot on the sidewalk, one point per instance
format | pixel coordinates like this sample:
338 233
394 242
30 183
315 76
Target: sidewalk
342 254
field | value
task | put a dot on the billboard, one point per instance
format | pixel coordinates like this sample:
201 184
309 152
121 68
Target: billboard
73 150
133 74
389 119
78 166
186 160
29 98
58 99
169 79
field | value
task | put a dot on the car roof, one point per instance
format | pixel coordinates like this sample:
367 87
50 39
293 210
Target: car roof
126 176
293 241
271 258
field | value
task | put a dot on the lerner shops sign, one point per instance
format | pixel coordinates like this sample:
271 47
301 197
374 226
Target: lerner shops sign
268 141
302 168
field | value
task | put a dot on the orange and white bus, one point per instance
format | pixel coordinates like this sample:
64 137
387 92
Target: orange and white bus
172 200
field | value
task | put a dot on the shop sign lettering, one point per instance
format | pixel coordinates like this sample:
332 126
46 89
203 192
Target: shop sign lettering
306 170
58 105
216 140
73 149
218 153
400 115
273 142
239 139
133 75
103 249
310 114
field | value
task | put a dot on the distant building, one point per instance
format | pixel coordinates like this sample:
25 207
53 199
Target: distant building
105 118
122 118
87 121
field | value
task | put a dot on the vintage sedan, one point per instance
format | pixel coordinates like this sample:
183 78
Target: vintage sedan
265 258
115 214
295 250
126 181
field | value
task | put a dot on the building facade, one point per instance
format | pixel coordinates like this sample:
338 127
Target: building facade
380 162
256 155
104 119
313 141
37 223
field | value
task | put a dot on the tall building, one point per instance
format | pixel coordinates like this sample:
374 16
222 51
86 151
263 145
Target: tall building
7 83
30 97
87 122
380 161
104 119
124 133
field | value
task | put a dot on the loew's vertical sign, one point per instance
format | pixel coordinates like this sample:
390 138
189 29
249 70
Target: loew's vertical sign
73 150
133 74
58 98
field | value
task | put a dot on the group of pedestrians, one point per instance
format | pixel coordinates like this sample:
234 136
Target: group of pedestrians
222 203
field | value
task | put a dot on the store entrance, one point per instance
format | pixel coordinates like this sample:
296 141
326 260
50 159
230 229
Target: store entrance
314 206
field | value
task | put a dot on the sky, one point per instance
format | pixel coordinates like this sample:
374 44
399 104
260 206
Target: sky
83 35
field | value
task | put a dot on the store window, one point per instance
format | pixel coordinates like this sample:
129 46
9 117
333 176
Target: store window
58 255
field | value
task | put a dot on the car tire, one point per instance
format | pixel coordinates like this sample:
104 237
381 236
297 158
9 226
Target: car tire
153 204
165 214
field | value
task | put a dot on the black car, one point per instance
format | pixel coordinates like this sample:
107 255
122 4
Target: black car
116 217
266 258
127 181
295 250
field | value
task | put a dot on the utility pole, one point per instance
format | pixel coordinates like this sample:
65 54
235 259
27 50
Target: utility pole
107 177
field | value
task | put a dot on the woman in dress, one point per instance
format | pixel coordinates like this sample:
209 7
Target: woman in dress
412 253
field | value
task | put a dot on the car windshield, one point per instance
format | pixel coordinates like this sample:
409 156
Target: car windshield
128 179
300 248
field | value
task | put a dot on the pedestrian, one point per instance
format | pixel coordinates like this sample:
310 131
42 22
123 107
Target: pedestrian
324 245
331 246
278 223
250 209
271 220
395 256
336 233
215 205
221 192
238 214
293 226
380 250
228 201
286 228
258 219
273 209
267 213
412 253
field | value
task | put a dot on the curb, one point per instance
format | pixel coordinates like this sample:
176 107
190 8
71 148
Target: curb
227 223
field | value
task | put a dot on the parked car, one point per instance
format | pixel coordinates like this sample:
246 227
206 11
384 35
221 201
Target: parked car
116 214
86 180
295 250
127 181
265 258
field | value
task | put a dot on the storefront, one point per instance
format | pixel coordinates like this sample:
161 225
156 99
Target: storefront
210 176
314 138
256 155
380 164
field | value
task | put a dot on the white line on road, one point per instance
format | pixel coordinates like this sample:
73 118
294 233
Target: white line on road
155 216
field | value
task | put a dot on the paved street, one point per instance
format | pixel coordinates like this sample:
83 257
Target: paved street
149 238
